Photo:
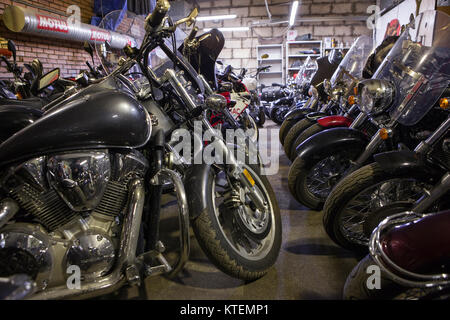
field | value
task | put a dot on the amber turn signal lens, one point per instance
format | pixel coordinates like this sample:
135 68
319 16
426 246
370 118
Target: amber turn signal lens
355 90
443 103
351 100
384 134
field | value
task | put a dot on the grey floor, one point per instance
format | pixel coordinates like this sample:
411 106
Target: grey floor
309 266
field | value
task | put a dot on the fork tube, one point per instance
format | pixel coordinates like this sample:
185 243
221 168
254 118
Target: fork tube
359 120
438 191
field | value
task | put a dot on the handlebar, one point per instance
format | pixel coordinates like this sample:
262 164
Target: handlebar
155 18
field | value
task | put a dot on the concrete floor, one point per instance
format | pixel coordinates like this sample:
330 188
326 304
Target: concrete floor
309 266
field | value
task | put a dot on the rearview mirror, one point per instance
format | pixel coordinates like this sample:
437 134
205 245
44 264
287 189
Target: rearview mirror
12 48
192 16
88 48
47 79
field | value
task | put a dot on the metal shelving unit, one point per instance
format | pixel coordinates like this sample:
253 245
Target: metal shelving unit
275 59
292 54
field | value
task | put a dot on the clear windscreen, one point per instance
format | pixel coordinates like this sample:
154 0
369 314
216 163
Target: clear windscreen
351 67
123 25
418 66
306 72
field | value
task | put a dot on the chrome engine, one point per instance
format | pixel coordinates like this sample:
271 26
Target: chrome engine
73 206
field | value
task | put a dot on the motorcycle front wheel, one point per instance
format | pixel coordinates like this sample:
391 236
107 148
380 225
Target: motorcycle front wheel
356 204
240 241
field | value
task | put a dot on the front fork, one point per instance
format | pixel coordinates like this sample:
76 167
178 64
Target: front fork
235 170
233 167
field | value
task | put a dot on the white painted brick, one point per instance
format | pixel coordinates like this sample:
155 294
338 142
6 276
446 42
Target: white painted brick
216 12
206 4
342 30
226 54
258 12
240 3
222 3
212 24
232 43
241 53
249 43
361 7
345 8
263 32
249 63
323 31
241 34
359 30
240 12
280 10
320 9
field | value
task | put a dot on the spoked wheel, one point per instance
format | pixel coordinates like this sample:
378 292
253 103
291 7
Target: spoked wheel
239 239
355 205
311 182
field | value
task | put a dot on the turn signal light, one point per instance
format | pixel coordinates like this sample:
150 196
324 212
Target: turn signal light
384 134
443 103
351 100
355 90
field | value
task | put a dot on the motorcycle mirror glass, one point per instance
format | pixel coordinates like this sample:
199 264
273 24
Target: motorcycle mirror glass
216 102
38 69
47 79
12 48
88 48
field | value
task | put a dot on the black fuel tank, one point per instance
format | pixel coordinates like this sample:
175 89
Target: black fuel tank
108 118
15 117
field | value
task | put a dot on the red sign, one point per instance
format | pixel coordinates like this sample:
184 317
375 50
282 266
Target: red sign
52 24
99 35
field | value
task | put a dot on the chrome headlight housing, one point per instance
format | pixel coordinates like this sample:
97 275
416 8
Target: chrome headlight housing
376 95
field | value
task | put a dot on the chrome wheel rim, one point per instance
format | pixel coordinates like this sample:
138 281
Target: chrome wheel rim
325 174
242 244
352 218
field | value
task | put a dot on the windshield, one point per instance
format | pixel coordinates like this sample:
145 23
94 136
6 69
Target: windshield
306 72
418 66
351 67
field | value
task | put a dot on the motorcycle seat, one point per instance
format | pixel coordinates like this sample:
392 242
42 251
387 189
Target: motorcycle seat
420 246
34 103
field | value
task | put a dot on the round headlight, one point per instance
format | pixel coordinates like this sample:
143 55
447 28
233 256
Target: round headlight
376 95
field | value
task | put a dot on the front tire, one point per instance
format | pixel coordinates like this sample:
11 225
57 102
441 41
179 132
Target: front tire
348 210
292 135
307 181
211 227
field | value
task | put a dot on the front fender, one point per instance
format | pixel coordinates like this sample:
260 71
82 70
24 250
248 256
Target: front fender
406 160
297 114
196 181
322 143
335 121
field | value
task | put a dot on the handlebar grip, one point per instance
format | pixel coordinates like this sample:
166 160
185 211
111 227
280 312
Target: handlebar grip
155 18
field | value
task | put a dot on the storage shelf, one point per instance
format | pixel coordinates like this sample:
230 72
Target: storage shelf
295 46
276 59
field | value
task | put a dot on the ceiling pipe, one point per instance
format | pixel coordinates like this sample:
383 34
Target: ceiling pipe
26 20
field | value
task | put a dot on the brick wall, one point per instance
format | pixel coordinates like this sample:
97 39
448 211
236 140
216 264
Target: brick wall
240 47
69 56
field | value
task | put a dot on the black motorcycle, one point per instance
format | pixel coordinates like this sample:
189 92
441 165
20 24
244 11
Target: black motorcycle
81 186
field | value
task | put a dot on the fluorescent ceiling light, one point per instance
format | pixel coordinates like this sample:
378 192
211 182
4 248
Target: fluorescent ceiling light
222 17
293 13
229 29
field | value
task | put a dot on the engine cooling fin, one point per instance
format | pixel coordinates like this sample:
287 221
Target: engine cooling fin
114 199
47 206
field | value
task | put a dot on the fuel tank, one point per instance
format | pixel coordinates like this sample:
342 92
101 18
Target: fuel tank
15 117
106 118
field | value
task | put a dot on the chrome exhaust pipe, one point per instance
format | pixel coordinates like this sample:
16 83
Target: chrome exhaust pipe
8 208
127 254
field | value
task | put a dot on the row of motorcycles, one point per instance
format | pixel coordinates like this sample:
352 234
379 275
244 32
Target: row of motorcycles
82 176
371 149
